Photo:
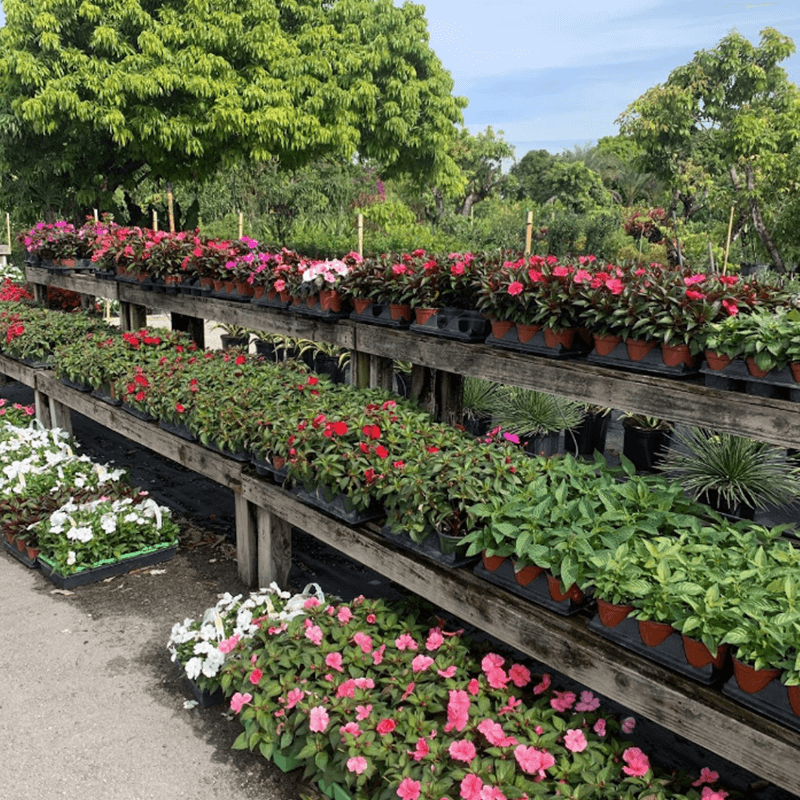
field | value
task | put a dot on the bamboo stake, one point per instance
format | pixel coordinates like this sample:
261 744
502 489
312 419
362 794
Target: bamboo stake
155 220
170 208
8 229
361 235
96 215
528 233
728 242
711 257
241 224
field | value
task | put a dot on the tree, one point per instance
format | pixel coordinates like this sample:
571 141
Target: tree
529 173
111 91
731 112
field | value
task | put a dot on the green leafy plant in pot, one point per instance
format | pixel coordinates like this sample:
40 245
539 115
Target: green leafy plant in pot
645 440
478 403
732 474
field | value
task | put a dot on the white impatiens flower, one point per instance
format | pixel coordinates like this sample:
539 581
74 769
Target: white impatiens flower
71 557
193 667
213 663
80 534
108 522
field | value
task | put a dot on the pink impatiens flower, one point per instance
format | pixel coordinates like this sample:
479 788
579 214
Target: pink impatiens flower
294 697
575 741
628 724
515 288
408 789
227 645
363 641
544 685
447 673
318 719
422 750
345 615
462 750
435 639
713 794
351 728
471 788
706 776
600 727
377 656
562 701
637 761
255 676
497 678
314 634
334 661
473 687
357 764
457 710
588 702
421 663
495 734
405 642
533 761
238 700
520 675
362 712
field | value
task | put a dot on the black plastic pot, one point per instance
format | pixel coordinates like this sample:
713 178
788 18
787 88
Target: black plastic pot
328 365
477 426
268 350
588 437
645 447
544 444
712 498
233 341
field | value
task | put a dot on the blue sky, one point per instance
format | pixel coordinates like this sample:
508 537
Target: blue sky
555 74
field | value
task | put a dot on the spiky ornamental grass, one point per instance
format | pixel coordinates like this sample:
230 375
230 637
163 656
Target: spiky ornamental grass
739 470
527 413
479 398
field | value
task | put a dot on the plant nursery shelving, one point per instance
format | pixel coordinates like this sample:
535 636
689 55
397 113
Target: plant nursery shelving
265 513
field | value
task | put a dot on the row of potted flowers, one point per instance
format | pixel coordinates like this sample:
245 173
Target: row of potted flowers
375 701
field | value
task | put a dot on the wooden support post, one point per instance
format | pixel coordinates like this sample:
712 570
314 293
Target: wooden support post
194 326
132 317
60 415
274 549
359 369
528 233
40 294
361 235
246 539
381 372
449 397
422 388
42 404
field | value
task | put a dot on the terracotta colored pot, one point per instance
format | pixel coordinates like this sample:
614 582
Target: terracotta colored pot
527 575
639 348
272 294
143 276
500 327
361 305
526 332
422 315
258 291
754 369
244 289
67 262
611 614
752 680
217 284
564 338
173 280
604 345
699 656
230 286
400 311
33 552
654 633
330 300
10 537
673 355
296 301
794 698
20 545
312 300
717 361
491 563
795 368
554 587
285 296
278 462
206 282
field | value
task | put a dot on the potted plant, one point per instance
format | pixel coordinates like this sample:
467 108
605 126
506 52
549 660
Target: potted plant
478 403
645 440
590 434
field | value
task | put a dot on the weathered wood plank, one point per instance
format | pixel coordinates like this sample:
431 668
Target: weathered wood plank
132 317
18 371
449 397
190 455
246 540
702 715
194 326
41 403
76 282
60 415
381 372
274 549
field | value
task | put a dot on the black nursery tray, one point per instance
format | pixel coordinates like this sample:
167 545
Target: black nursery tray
778 384
267 303
652 363
242 456
265 469
234 297
537 345
456 323
379 314
142 558
105 397
427 547
317 312
337 507
772 702
178 430
205 698
81 387
31 563
36 364
143 415
669 653
536 591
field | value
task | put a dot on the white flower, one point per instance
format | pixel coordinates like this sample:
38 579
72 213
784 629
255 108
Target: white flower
71 557
108 522
213 663
81 534
193 667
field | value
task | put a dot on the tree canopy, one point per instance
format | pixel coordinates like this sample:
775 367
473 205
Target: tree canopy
107 91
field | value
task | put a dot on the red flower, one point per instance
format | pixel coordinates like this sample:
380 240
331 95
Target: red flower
240 359
381 451
515 288
371 431
385 726
179 408
398 464
340 428
139 396
369 475
693 295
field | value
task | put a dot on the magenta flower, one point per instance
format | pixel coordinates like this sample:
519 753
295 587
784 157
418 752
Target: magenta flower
563 701
457 710
471 788
421 663
628 724
357 764
575 741
435 639
462 750
706 776
408 789
515 288
713 794
637 761
255 676
405 642
693 279
318 719
520 675
385 726
600 727
497 678
238 700
334 661
588 702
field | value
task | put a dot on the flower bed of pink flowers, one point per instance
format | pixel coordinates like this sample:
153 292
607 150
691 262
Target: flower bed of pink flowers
368 695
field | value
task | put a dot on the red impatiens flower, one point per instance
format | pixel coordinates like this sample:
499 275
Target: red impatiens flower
179 408
381 451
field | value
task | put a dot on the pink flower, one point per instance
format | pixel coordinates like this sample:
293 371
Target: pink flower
563 701
362 712
520 676
351 728
713 794
377 656
637 761
363 641
365 683
491 793
357 764
294 697
334 661
706 776
255 676
347 689
345 615
731 307
435 639
694 295
457 710
227 645
405 642
473 687
314 634
447 673
693 279
533 761
422 750
615 285
385 726
582 276
512 703
495 734
408 789
600 727
238 700
318 719
628 724
544 685
311 603
492 661
421 663
471 788
372 619
575 741
515 288
588 702
462 750
408 691
497 678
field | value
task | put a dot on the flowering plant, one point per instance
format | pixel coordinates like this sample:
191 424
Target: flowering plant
52 240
